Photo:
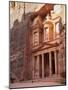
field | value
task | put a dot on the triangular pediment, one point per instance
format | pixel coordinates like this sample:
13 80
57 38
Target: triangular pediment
45 45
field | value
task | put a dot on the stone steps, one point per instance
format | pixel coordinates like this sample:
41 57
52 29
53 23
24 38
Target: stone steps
50 79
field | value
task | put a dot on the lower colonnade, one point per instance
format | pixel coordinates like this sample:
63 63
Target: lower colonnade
45 64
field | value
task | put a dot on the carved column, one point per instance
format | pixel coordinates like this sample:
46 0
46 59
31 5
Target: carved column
42 65
33 67
55 53
50 64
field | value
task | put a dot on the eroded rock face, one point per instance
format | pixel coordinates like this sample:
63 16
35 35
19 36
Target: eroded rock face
19 49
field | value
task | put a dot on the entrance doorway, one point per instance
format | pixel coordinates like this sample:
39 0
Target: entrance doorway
46 64
35 65
40 66
53 62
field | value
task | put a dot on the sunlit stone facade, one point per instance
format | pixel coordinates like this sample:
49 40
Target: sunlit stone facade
48 46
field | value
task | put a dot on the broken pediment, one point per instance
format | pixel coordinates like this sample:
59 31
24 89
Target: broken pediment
37 22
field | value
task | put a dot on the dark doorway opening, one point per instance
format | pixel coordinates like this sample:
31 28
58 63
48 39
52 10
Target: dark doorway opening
35 63
46 64
53 62
40 66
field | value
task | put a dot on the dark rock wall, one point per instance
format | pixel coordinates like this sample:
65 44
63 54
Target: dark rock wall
20 52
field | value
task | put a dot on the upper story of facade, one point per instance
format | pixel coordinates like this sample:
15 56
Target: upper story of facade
46 33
